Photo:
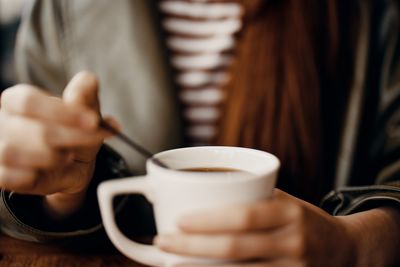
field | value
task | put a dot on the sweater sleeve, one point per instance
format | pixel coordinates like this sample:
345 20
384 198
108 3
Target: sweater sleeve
23 216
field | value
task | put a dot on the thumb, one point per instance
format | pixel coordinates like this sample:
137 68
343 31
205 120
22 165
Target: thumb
82 90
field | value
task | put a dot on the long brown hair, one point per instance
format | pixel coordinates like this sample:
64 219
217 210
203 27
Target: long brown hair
273 100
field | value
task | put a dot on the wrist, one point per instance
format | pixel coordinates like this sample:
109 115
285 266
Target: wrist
64 203
375 237
345 245
61 205
351 240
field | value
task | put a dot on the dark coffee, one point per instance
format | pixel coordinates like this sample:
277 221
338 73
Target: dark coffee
212 169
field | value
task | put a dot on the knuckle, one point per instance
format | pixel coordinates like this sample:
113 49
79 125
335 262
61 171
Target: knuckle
26 100
49 157
43 133
245 218
296 212
297 246
15 93
8 95
230 248
6 153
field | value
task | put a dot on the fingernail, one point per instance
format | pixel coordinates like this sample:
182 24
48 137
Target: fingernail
88 121
162 242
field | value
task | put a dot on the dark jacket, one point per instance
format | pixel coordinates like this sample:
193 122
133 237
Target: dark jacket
121 43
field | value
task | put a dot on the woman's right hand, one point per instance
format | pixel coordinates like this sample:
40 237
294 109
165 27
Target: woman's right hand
48 145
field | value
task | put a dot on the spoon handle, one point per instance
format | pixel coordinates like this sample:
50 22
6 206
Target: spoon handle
144 152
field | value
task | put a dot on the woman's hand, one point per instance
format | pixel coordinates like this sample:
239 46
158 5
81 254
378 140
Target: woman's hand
282 231
48 145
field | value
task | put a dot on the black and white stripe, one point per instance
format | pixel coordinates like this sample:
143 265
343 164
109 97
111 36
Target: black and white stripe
201 39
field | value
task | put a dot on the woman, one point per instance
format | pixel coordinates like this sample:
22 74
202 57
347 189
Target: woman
301 75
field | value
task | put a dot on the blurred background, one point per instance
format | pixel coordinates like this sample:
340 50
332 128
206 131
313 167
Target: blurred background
10 12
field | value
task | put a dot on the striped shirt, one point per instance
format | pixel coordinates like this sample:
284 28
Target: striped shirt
201 39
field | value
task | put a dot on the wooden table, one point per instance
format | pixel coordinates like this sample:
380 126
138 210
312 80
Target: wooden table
16 253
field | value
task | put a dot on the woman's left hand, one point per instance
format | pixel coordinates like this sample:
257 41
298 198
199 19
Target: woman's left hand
281 231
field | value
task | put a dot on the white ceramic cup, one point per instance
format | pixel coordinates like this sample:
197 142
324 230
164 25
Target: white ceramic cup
174 193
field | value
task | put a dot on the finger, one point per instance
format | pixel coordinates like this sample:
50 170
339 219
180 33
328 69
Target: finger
16 179
113 123
28 132
66 137
28 181
259 263
226 247
26 100
35 156
82 90
268 214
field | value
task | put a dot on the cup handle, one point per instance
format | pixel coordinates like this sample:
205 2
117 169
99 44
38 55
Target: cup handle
145 254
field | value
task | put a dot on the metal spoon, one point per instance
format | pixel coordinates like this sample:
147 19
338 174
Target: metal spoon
144 152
